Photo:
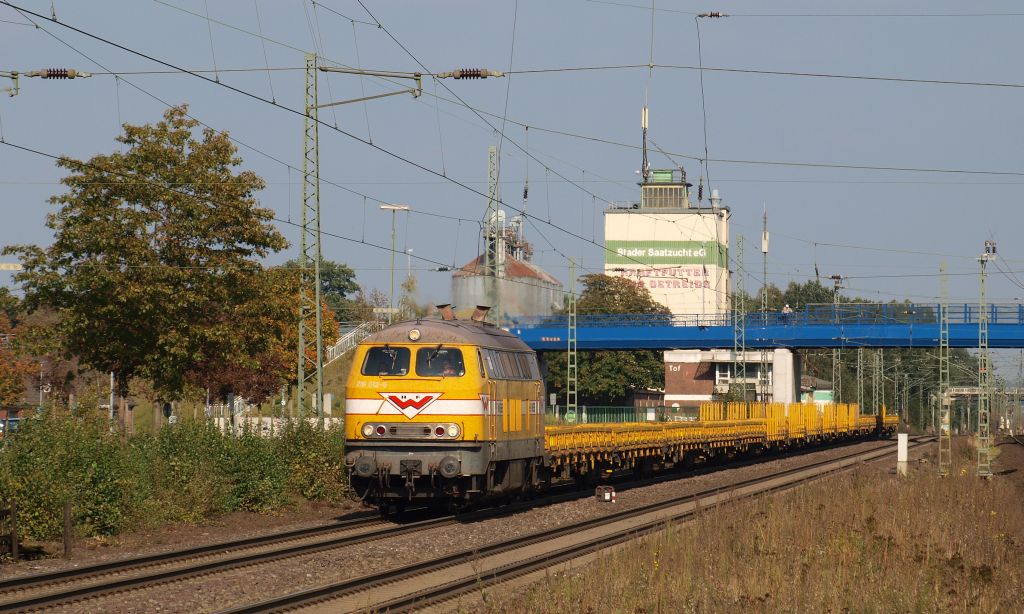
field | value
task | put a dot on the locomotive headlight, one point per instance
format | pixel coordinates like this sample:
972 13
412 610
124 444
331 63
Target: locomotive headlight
453 430
367 430
414 334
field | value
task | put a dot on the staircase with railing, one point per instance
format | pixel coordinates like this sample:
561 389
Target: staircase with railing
350 338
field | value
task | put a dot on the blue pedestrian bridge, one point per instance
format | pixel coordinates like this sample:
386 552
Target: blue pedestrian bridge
847 325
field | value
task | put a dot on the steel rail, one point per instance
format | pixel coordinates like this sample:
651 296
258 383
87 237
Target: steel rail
64 575
21 584
457 588
140 581
349 587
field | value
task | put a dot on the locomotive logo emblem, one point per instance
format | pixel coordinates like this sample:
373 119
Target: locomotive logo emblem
410 403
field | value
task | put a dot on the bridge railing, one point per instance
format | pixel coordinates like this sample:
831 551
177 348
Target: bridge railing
809 315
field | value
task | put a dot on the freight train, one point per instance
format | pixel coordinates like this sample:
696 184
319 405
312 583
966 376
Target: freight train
450 413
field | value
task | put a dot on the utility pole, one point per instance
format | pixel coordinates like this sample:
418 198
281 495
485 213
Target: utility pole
906 397
311 339
860 379
394 209
494 235
945 420
739 317
570 372
876 376
837 379
766 394
984 369
310 370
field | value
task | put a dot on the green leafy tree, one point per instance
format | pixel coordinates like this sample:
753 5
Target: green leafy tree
609 377
800 295
339 289
154 264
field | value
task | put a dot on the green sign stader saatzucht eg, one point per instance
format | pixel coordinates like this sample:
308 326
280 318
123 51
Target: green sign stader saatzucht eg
708 253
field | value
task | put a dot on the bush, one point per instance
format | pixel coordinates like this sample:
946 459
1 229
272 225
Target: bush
56 459
316 460
186 473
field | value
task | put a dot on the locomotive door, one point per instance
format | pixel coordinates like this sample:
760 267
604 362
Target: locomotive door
491 411
537 409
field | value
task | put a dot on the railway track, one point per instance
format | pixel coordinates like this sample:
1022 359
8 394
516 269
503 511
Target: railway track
62 587
434 581
25 592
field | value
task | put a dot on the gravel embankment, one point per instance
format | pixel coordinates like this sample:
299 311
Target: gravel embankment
252 584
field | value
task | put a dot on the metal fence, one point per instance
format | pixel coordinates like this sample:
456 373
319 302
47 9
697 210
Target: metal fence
827 313
593 414
350 338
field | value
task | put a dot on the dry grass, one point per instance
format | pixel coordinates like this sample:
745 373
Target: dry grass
859 542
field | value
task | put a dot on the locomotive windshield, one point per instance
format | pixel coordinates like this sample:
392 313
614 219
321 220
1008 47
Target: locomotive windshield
386 361
440 362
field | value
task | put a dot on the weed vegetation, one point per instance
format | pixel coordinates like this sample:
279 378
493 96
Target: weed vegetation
187 472
853 543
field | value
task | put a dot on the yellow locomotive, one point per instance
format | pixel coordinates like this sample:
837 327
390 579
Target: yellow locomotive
450 412
443 411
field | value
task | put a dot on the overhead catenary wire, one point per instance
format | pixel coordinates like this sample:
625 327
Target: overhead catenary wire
598 68
216 202
615 67
822 15
346 17
362 89
327 233
239 142
859 167
467 106
508 90
257 97
209 29
263 44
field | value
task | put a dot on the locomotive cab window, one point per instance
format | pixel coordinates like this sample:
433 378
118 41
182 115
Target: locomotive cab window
386 361
440 362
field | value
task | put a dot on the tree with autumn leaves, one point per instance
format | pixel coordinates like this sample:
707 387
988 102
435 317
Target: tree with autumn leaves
155 266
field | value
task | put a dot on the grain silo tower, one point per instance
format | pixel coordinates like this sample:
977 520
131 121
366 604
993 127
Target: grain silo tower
503 277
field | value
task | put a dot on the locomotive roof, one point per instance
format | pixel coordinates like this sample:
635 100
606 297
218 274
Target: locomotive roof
449 331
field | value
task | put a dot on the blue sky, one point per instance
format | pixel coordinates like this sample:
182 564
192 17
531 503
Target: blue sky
903 223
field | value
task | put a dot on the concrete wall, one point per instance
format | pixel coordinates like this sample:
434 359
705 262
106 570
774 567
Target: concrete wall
690 374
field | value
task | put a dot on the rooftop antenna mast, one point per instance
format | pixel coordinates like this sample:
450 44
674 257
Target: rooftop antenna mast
645 170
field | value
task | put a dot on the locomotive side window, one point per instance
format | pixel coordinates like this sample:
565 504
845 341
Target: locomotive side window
386 361
511 365
440 362
534 367
508 368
